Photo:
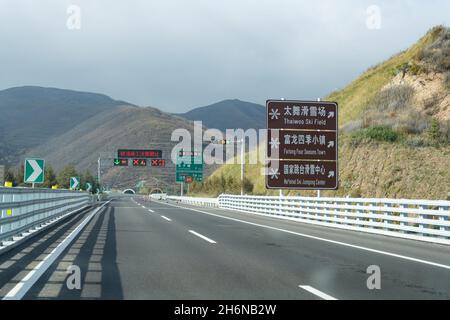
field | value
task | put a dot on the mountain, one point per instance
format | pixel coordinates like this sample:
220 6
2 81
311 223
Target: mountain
31 115
124 127
394 138
229 114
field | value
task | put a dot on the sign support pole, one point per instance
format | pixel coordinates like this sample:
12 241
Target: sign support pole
98 170
32 185
318 191
182 187
242 164
281 190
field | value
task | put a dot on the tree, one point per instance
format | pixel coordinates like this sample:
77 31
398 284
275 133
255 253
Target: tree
49 177
434 132
248 186
65 175
88 177
20 176
10 176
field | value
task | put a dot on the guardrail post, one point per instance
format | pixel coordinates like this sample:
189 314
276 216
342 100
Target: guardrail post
346 211
336 210
421 217
443 218
372 212
385 215
403 215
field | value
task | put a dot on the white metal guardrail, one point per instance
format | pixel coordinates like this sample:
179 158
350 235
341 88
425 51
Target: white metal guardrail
424 220
413 219
204 202
23 209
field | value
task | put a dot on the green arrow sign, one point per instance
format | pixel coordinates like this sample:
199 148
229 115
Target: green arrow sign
75 183
34 171
88 187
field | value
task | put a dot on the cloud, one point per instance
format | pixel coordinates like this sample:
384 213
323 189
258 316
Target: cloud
178 54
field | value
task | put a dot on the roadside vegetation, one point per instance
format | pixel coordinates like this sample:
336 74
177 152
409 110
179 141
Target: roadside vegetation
217 185
394 136
51 178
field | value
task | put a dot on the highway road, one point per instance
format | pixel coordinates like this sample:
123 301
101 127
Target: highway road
135 249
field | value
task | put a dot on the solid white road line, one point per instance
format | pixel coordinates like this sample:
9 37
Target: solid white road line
20 289
318 293
202 236
431 263
164 217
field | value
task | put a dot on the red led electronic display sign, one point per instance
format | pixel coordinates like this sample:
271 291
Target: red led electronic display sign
158 163
139 163
139 154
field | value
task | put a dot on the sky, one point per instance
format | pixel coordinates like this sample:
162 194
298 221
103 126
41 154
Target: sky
180 54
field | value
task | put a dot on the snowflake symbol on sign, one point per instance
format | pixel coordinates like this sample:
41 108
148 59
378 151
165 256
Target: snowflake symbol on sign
274 114
274 173
274 143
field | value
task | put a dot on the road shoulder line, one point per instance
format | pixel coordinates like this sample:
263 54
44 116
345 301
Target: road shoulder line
399 256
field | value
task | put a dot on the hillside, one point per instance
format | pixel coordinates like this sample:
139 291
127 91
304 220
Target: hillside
31 116
394 129
229 114
101 135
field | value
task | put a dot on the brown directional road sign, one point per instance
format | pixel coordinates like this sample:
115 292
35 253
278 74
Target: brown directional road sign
302 145
308 175
307 145
302 115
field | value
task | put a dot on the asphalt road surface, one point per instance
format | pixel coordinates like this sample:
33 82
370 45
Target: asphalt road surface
135 249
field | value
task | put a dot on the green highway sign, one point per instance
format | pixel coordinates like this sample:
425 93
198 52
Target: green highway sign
34 171
196 176
121 162
75 183
88 186
189 166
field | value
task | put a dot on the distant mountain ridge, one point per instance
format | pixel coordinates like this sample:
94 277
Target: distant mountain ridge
32 115
229 114
71 127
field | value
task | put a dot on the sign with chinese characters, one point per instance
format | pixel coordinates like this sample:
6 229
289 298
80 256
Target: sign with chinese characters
302 145
189 166
139 154
308 145
189 176
302 115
